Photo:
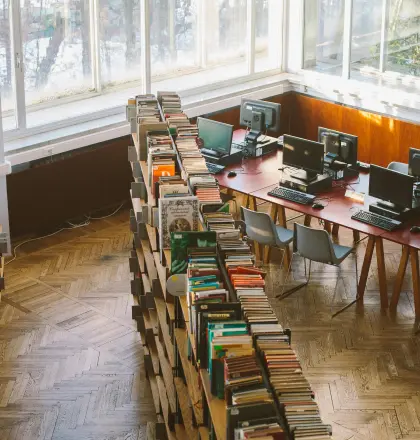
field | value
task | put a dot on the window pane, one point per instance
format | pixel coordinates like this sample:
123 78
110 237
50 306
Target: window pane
226 31
56 48
403 37
323 38
268 34
119 34
173 36
6 71
366 38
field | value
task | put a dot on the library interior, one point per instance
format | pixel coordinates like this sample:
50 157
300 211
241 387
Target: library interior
210 220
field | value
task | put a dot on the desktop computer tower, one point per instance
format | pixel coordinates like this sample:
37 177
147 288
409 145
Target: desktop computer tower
322 183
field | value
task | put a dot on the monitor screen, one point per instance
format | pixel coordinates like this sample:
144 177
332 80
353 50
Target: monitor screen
303 154
342 144
215 135
414 162
391 186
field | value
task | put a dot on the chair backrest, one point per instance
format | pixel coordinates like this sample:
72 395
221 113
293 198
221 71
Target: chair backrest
398 166
313 244
260 227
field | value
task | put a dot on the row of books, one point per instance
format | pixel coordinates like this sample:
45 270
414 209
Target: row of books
147 109
293 391
225 347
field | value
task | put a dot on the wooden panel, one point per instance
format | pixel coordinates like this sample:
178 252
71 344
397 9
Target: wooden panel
381 139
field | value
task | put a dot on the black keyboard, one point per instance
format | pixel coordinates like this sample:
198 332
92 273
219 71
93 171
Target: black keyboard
214 168
292 195
373 219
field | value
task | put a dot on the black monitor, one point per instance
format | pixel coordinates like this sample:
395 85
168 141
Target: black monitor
259 116
342 144
394 189
216 136
414 163
306 155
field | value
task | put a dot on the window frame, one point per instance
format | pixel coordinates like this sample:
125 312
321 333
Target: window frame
144 83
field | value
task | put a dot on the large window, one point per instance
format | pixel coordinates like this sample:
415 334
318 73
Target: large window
383 41
66 51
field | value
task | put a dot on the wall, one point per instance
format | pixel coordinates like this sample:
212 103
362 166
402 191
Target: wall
381 139
43 198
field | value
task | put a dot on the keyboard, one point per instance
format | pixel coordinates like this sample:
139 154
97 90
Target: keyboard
373 219
292 195
214 168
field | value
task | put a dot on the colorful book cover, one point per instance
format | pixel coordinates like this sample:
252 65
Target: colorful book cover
180 214
182 241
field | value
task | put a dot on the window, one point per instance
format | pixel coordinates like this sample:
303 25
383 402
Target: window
6 67
77 59
323 37
383 42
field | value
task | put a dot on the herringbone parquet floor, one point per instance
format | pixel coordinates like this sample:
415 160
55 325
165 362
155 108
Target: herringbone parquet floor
71 362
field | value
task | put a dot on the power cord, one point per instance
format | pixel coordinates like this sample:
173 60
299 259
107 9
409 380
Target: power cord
73 226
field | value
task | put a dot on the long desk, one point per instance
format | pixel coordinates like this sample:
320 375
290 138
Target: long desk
257 176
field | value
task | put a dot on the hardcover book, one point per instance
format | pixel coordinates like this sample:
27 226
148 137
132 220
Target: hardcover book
178 214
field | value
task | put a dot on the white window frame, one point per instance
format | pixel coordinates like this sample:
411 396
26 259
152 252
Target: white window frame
144 84
379 98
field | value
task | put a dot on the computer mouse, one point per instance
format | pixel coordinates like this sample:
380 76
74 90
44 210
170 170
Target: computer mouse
231 174
415 229
318 206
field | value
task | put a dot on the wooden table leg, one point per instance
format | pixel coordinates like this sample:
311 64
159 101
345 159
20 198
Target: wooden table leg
380 258
327 226
356 235
246 201
283 222
414 257
308 219
335 229
366 266
273 215
400 277
253 205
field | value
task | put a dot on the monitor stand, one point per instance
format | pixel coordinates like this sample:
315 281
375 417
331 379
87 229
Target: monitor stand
306 176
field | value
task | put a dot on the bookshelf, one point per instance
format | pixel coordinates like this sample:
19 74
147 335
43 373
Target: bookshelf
181 390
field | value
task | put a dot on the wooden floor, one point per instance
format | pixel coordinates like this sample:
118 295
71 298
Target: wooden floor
71 361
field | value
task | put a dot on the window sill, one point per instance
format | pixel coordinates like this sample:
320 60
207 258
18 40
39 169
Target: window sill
112 126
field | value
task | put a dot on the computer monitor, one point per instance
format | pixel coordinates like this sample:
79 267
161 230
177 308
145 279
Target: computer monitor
259 116
216 136
394 189
414 163
342 144
306 155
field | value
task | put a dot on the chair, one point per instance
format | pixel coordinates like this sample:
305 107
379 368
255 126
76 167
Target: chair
261 228
398 166
316 245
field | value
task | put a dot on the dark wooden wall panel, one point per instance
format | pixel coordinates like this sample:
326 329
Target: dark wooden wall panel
44 197
381 139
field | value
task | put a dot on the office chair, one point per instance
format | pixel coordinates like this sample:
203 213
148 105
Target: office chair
316 245
398 166
261 229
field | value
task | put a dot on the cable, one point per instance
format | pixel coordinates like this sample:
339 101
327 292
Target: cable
73 226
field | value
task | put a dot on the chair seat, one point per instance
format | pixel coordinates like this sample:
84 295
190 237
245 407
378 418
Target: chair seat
284 235
341 252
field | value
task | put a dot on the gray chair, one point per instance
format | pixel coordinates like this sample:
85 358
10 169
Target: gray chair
261 228
316 245
398 166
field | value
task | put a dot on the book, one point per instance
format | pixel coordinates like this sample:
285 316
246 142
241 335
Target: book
182 242
178 214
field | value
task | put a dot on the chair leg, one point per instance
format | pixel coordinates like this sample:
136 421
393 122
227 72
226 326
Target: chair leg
299 286
357 294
